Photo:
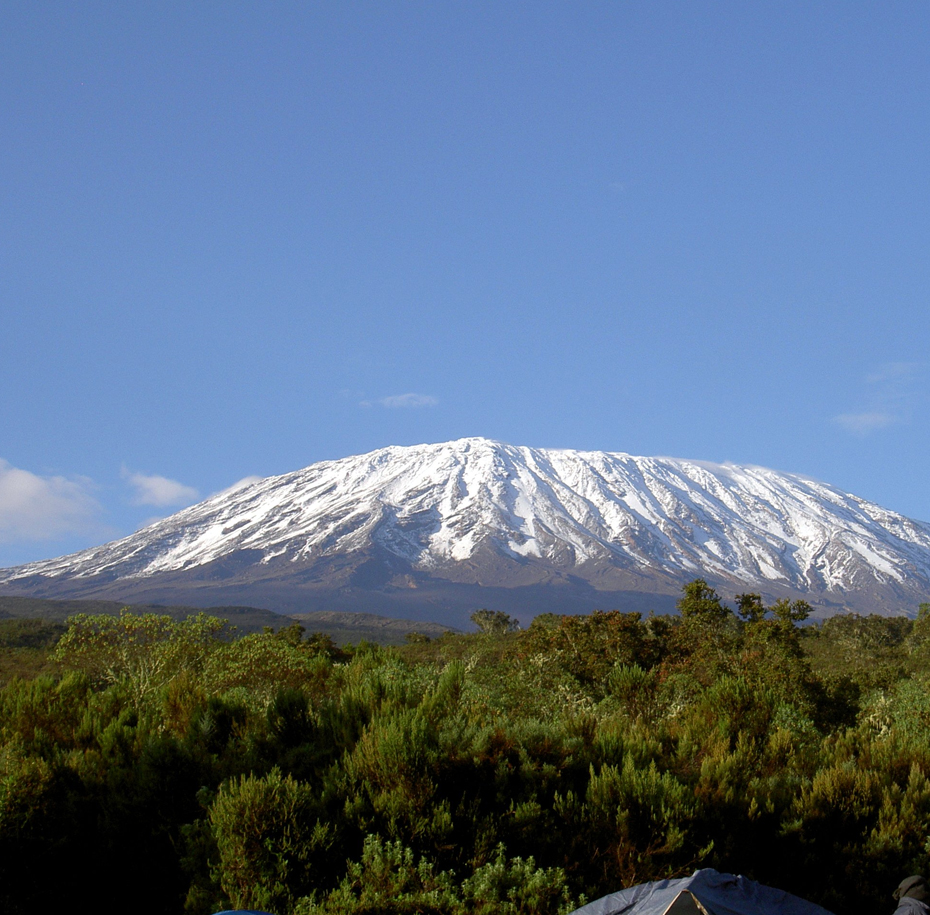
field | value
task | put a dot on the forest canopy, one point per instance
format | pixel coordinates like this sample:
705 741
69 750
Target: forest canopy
174 766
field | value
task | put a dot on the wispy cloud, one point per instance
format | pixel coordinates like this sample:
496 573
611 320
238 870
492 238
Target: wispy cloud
34 507
241 484
151 489
864 423
891 394
401 401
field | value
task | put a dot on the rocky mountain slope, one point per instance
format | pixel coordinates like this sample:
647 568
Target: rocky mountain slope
435 530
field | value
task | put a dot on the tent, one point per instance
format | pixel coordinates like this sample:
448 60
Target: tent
241 912
705 892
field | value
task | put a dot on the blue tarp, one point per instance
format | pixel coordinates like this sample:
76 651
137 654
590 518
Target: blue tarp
718 894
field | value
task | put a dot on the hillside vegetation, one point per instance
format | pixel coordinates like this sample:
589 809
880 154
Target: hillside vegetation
343 628
165 765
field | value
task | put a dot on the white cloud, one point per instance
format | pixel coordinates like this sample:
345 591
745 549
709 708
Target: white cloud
396 401
33 507
896 374
241 484
158 491
892 392
864 423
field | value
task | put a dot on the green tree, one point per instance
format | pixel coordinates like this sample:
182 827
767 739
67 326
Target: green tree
494 622
390 879
789 613
268 836
920 631
749 607
145 651
589 647
700 602
706 640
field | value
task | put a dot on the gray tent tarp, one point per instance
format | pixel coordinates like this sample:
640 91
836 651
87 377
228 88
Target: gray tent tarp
705 892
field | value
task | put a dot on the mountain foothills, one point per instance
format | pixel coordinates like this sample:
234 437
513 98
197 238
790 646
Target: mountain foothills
433 531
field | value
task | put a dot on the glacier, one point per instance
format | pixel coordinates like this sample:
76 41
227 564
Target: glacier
454 510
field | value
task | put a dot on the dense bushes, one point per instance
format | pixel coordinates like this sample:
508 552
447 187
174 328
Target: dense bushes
174 768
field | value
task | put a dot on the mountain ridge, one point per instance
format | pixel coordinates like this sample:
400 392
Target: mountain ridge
482 516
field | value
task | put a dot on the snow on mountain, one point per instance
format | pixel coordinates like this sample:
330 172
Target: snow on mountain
482 512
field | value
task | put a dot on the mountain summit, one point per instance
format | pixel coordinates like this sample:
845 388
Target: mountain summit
438 530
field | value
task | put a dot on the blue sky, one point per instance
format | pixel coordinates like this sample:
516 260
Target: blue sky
238 238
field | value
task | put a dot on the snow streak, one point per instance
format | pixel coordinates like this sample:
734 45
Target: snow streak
433 505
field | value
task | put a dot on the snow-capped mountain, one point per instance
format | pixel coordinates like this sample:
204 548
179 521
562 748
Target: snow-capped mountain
478 523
